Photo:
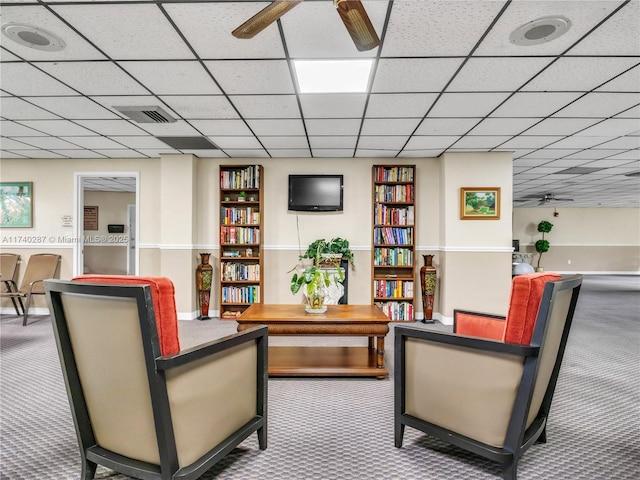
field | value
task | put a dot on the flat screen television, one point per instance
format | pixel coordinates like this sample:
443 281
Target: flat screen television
315 193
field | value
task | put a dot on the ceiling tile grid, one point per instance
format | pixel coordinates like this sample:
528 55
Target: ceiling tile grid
446 77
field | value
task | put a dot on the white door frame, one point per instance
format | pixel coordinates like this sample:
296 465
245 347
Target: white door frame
78 208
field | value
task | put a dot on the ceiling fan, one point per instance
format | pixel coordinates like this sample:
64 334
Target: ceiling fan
352 13
550 197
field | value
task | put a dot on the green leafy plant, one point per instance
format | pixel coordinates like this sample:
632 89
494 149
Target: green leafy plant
313 278
542 245
335 246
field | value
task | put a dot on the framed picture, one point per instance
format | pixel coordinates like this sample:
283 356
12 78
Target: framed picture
90 218
16 204
480 203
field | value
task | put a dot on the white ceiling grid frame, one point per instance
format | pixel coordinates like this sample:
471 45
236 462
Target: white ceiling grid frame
252 76
417 75
26 80
334 105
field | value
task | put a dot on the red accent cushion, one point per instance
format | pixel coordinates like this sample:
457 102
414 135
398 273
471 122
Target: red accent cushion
526 294
164 305
479 326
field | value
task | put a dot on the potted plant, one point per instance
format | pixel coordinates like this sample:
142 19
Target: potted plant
331 251
542 245
242 196
315 280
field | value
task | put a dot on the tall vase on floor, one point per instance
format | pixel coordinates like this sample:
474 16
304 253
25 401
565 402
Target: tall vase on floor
428 280
204 278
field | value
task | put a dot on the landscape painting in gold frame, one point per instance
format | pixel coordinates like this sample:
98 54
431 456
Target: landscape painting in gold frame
480 203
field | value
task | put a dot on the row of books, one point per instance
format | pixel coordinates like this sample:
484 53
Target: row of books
394 193
393 288
384 214
232 272
239 235
241 178
234 215
248 294
401 311
394 174
393 235
392 256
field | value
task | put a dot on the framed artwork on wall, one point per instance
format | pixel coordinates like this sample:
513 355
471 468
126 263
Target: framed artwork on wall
16 204
480 203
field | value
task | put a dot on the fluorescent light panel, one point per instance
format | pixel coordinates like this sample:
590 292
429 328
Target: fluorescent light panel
333 76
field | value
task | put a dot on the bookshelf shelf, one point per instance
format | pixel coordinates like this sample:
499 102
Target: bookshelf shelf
393 261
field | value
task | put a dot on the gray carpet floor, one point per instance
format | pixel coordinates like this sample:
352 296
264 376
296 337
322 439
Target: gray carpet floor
343 428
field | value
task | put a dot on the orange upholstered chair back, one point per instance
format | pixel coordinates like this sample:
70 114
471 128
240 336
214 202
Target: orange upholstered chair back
526 294
164 305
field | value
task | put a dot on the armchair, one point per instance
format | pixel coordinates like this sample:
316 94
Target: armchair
140 405
489 396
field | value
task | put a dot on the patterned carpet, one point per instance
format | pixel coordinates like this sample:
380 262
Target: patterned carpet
343 428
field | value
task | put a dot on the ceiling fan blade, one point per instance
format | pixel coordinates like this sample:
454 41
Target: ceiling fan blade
358 25
264 18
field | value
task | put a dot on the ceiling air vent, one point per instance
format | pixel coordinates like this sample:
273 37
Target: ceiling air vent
146 114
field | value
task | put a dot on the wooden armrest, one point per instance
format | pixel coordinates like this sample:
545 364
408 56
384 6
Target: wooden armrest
477 324
215 346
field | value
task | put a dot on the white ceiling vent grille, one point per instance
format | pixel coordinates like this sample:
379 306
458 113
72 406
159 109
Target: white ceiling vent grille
146 114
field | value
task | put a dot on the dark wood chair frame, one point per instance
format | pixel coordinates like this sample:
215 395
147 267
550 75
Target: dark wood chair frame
156 365
10 278
518 439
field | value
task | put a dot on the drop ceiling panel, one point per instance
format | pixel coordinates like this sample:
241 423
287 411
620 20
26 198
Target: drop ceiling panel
579 74
110 102
252 76
430 143
467 104
626 82
342 126
200 106
364 153
596 105
266 106
13 144
221 127
334 153
120 153
73 108
550 153
332 142
421 153
244 152
172 78
503 126
57 127
127 32
391 126
315 30
175 129
24 79
113 127
534 104
383 105
39 153
532 141
414 75
622 143
581 142
138 142
46 142
496 74
38 16
13 129
78 153
617 36
387 142
93 142
560 126
612 127
446 126
208 26
480 142
290 153
271 143
519 13
340 105
425 28
235 142
277 127
94 78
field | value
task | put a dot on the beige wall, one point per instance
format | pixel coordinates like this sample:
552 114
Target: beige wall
179 210
587 240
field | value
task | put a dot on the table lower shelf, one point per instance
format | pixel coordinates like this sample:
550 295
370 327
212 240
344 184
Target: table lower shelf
324 362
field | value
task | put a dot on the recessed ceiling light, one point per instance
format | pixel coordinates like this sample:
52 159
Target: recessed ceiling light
539 31
33 37
333 76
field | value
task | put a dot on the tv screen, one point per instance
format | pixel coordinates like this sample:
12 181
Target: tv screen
315 193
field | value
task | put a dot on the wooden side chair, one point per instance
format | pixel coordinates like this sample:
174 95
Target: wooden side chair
40 266
490 396
142 406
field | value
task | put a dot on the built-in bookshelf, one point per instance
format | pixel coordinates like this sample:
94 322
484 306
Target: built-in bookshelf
241 236
393 254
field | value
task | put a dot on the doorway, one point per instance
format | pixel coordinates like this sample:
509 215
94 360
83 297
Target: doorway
109 246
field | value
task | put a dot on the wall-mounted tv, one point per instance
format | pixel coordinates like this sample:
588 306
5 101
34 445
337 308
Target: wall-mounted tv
315 193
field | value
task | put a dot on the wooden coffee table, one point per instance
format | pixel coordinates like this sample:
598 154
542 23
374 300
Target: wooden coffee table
320 361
